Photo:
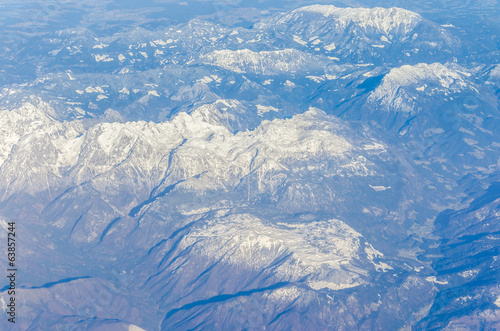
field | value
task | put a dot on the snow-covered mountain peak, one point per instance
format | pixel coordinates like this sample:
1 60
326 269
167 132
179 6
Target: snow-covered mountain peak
442 74
302 136
272 146
229 113
422 78
385 20
382 20
323 249
355 34
30 117
33 110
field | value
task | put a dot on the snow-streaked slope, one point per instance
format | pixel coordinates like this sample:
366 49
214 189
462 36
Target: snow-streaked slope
469 262
381 35
107 145
24 121
182 176
393 23
322 252
319 255
402 87
265 62
196 151
384 20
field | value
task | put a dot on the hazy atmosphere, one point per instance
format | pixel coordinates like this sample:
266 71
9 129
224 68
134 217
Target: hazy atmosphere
250 165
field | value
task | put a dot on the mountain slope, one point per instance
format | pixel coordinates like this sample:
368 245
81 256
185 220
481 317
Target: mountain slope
325 168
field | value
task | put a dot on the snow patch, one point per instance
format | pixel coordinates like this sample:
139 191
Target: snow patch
379 188
434 280
299 40
99 46
331 286
96 89
124 91
265 109
103 58
469 273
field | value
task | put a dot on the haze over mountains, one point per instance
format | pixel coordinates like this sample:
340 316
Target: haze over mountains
325 167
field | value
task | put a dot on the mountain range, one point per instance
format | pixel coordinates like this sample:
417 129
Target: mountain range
325 168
